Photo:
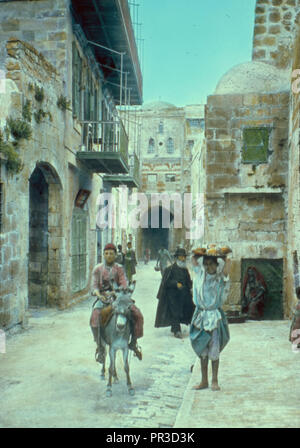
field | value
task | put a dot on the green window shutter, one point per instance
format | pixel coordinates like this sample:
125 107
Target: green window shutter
255 145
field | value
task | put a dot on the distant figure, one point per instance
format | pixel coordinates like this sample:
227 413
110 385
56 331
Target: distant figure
254 291
294 337
130 262
147 255
163 260
120 255
175 304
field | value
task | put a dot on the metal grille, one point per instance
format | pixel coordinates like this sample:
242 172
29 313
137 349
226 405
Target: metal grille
79 249
255 145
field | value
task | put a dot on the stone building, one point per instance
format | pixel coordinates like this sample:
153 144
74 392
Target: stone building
167 139
61 138
252 159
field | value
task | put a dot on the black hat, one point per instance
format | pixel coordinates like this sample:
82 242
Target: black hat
180 251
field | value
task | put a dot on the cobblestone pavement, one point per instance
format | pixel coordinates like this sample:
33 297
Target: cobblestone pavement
48 376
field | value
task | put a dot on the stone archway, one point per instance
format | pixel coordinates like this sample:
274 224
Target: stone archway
154 238
46 260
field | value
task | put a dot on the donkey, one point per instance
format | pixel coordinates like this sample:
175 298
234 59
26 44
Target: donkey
116 335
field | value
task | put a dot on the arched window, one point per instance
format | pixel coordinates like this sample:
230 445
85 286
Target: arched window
151 145
161 127
170 145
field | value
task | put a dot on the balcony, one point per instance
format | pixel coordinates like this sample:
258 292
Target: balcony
108 23
131 180
104 147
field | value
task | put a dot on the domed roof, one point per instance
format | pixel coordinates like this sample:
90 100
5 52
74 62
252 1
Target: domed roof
253 77
158 105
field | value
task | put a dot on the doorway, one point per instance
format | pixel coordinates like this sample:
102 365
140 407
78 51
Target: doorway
272 272
38 239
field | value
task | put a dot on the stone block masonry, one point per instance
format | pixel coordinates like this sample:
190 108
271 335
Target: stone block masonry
275 22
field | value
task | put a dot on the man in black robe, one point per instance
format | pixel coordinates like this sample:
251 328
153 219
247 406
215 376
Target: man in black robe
175 304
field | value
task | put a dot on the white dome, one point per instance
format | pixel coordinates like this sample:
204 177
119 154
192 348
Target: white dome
253 77
158 105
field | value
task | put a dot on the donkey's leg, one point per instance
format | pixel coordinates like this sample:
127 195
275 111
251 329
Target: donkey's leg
112 356
126 368
103 365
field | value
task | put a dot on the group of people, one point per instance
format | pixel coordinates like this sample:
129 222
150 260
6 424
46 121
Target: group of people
181 301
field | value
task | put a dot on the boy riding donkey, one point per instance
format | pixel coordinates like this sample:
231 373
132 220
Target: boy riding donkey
105 275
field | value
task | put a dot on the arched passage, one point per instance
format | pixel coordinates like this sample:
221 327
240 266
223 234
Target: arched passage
46 242
154 238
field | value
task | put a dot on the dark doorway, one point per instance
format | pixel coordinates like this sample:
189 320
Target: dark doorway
272 271
156 238
38 240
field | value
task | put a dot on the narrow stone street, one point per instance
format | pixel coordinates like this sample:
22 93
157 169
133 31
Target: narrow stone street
48 376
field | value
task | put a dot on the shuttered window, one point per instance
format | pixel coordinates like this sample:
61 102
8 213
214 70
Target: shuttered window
79 249
255 145
76 81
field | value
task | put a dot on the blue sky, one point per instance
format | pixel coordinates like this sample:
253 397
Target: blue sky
190 44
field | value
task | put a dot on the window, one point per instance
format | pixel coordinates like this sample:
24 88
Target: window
255 145
196 122
76 81
151 146
152 178
170 146
191 144
161 127
170 177
79 249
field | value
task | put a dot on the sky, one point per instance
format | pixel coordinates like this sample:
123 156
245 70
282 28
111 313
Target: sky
190 44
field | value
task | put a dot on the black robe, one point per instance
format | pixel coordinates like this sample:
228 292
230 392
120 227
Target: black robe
175 305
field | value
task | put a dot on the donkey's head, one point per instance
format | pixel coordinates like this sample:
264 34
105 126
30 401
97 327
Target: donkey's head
122 305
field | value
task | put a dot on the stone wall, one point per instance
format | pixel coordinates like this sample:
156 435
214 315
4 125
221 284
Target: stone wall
42 23
275 24
293 242
246 204
53 153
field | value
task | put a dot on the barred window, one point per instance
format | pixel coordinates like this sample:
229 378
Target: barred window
170 177
79 249
170 146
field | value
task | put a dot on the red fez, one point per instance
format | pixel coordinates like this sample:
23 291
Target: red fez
110 246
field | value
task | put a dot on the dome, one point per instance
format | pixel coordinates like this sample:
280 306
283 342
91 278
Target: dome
158 105
253 77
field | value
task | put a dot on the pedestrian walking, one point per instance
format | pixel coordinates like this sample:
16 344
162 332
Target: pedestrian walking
147 255
130 262
120 255
209 332
164 259
175 304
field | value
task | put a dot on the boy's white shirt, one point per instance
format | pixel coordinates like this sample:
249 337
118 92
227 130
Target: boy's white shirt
206 313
